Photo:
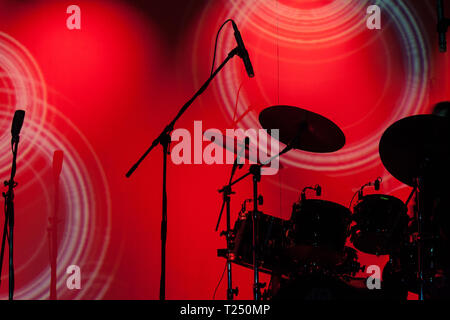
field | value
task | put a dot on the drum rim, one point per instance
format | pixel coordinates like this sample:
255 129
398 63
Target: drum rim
379 196
335 204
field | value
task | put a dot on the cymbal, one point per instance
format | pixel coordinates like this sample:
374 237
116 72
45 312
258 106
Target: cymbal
417 145
302 129
237 145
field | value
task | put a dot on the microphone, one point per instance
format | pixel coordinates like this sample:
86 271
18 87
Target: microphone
17 123
317 188
442 26
377 183
242 51
58 156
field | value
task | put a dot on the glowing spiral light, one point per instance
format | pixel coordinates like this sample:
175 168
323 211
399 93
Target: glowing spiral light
335 23
86 220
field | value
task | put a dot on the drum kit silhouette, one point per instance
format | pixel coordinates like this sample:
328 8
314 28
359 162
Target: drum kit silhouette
307 256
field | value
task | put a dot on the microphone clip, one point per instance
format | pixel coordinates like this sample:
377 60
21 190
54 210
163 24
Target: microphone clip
317 188
15 139
376 184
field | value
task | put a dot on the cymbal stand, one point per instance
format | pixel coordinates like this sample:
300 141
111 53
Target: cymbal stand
425 238
419 217
255 170
227 192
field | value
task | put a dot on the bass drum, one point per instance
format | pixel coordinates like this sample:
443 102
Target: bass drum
314 287
321 287
324 280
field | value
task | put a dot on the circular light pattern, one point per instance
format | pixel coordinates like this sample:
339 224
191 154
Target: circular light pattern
337 28
22 87
85 229
333 24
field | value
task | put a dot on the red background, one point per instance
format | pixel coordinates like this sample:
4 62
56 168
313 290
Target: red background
113 85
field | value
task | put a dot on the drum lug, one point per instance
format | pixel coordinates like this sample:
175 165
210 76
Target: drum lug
234 292
260 200
261 285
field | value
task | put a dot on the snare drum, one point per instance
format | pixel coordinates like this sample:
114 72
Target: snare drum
381 224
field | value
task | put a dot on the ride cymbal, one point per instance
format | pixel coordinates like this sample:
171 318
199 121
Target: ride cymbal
302 129
416 146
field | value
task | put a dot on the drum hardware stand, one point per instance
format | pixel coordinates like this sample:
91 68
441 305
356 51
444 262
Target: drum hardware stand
231 292
255 170
413 192
397 220
164 140
422 208
419 217
227 192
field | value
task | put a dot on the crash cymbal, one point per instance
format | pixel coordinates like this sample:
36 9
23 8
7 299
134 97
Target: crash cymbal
417 145
302 129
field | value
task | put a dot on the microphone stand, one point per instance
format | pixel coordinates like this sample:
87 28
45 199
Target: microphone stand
8 230
53 241
442 26
164 140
